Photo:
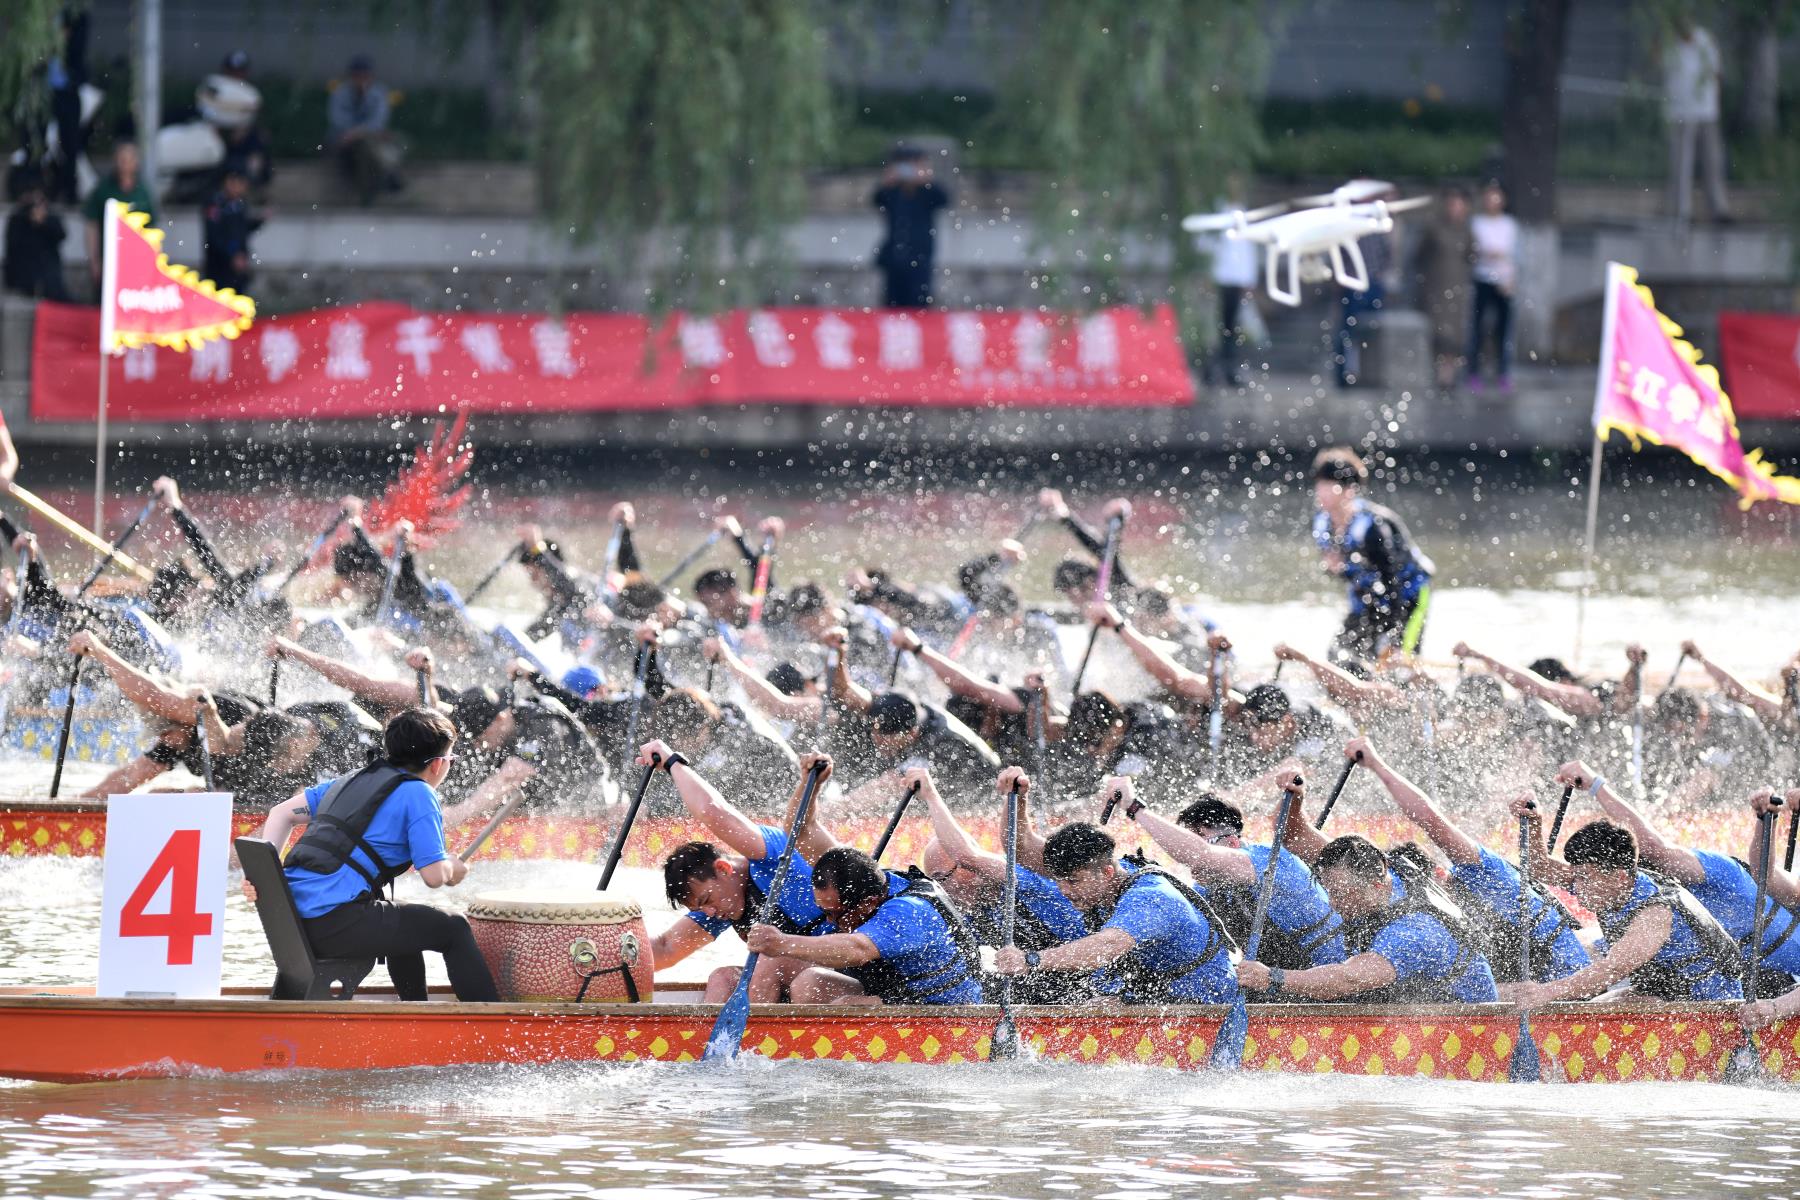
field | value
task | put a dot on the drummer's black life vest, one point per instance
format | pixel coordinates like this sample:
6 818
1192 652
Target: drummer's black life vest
1143 983
1715 952
343 816
884 979
1423 896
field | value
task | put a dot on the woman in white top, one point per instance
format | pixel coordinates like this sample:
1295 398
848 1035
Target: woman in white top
1496 237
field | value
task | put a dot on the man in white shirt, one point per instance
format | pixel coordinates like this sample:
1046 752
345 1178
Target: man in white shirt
1691 108
1236 265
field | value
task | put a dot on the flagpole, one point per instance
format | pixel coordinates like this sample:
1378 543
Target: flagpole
109 279
1602 384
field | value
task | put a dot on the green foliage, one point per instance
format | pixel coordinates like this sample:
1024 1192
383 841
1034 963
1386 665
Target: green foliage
1140 110
692 120
29 36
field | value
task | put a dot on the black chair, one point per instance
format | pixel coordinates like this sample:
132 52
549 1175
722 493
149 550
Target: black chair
299 974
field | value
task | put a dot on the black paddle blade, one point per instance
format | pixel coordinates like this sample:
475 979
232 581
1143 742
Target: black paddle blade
1004 1046
1744 1067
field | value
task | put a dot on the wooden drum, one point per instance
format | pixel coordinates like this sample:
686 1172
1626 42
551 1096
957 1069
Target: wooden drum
564 946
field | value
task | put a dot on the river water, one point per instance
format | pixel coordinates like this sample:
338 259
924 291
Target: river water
1676 560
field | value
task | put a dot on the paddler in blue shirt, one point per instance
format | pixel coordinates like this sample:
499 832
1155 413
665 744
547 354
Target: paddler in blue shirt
1154 941
1658 936
1403 949
1207 839
364 831
975 880
1721 883
909 948
724 890
1486 884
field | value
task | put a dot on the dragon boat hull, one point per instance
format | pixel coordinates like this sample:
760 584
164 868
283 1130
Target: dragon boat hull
66 1037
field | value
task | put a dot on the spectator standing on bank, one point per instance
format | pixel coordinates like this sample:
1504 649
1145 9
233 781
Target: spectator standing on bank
1358 306
34 239
366 148
66 73
1496 237
246 144
1235 266
1691 107
126 185
909 200
1446 253
227 224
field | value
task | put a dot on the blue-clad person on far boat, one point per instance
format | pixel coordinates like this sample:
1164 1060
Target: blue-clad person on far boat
1155 941
1403 949
723 885
1370 548
1659 938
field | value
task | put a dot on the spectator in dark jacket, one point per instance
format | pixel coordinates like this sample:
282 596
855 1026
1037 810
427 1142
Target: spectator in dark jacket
34 238
909 199
228 223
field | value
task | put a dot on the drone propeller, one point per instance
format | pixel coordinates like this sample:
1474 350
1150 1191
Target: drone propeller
1220 221
1407 205
1357 191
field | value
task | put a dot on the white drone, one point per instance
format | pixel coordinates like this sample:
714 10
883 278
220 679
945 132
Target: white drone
1317 235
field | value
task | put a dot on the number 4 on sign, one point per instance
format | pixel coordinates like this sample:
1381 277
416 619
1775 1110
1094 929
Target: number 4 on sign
162 931
179 863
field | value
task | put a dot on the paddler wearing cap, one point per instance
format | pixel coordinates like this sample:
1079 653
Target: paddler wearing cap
1370 548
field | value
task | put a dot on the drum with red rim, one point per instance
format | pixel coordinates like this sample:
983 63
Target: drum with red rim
562 945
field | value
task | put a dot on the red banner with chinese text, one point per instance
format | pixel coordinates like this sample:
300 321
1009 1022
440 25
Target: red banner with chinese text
387 359
1761 352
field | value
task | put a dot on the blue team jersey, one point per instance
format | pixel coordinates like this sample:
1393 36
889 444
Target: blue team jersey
1421 948
796 900
1046 902
1495 882
1729 894
408 827
1683 955
1381 564
1170 934
914 941
1300 906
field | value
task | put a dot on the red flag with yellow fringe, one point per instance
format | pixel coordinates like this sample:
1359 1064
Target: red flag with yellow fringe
146 300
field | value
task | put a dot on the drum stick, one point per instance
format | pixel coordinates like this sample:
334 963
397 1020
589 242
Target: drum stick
487 831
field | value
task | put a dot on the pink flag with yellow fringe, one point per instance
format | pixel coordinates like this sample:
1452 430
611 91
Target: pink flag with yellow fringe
146 300
1653 387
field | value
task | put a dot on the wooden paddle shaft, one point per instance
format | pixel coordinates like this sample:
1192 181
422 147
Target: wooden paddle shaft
887 835
77 531
637 800
1337 790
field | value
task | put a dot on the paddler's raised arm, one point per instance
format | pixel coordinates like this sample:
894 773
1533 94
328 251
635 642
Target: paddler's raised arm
386 693
1766 706
705 804
1572 698
812 838
960 681
768 698
1161 666
952 838
845 690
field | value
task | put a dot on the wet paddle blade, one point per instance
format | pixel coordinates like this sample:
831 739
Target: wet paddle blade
1525 1066
1744 1067
1005 1044
727 1035
1234 1030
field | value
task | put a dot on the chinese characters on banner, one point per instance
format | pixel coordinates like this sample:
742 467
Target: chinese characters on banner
1653 386
387 359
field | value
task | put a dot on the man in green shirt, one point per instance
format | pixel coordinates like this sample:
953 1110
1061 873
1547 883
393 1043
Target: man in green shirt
126 184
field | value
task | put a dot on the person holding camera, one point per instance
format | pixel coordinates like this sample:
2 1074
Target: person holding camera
909 199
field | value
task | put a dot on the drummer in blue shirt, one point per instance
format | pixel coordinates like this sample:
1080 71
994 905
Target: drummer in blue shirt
723 886
364 831
1154 940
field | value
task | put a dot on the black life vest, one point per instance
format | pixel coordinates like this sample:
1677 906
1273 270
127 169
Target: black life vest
1029 933
1715 951
1288 949
884 979
1501 934
1142 983
343 816
1423 896
779 918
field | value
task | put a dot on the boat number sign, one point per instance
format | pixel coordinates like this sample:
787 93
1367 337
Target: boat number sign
163 927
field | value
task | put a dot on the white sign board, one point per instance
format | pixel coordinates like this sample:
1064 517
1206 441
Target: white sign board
162 932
